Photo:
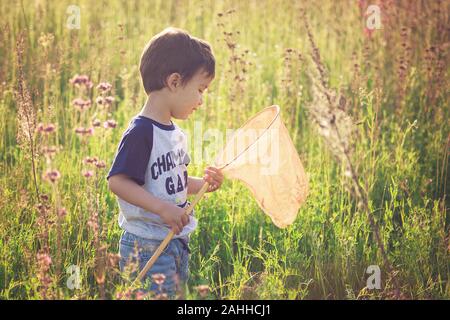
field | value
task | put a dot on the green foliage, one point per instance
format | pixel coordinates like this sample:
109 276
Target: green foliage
402 143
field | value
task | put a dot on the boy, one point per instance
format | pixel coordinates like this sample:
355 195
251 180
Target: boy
149 174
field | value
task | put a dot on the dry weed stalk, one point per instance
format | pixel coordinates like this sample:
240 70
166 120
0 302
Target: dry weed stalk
292 62
26 114
238 63
337 127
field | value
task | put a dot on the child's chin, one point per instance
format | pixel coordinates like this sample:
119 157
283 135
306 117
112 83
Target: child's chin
184 117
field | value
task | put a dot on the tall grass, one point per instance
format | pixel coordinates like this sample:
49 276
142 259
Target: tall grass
60 131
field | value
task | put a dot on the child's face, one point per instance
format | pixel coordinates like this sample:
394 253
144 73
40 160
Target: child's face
189 97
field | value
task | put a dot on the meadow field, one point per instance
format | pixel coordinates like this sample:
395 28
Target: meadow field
366 105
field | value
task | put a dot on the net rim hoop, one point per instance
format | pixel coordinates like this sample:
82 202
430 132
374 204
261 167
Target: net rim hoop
277 114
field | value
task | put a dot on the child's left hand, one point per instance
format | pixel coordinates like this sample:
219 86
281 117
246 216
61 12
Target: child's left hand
214 177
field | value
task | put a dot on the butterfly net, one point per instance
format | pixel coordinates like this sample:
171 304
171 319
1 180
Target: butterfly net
262 155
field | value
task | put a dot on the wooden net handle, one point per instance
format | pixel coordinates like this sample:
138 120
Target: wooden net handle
169 237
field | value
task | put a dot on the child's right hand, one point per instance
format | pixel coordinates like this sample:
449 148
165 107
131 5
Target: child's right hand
175 217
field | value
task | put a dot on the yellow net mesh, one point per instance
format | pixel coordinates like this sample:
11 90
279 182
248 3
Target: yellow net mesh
262 155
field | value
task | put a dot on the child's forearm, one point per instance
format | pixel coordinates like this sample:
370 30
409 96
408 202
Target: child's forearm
195 184
128 190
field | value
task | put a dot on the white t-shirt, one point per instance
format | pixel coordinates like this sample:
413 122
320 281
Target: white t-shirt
155 156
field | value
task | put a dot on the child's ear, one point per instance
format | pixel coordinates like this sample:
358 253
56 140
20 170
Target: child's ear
174 81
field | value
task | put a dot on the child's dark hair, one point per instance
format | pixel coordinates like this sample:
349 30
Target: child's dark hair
174 50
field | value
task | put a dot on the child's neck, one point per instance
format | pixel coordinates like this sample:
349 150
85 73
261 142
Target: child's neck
156 109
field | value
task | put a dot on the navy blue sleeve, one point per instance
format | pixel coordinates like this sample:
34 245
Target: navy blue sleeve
133 153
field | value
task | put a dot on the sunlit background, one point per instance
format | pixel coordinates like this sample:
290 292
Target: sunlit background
363 90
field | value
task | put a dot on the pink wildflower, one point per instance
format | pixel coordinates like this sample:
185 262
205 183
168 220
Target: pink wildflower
100 164
81 80
203 290
104 86
105 100
81 104
62 212
88 173
84 131
96 123
46 129
52 175
158 278
368 32
90 160
109 99
110 124
44 261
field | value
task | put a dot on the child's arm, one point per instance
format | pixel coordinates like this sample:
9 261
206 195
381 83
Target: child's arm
194 185
214 177
128 190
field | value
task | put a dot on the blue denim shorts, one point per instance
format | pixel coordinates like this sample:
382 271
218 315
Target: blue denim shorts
173 262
